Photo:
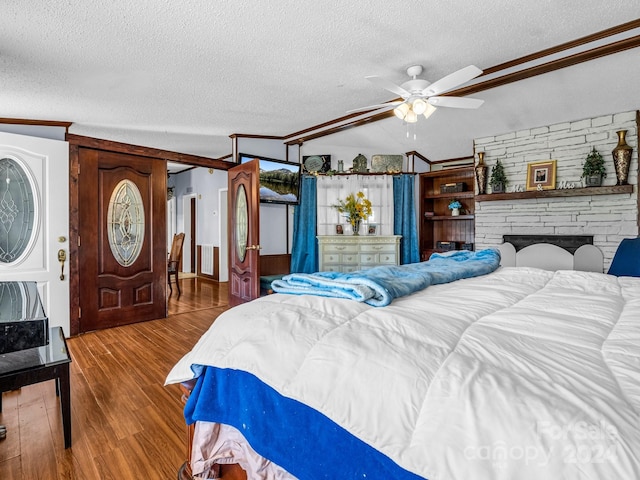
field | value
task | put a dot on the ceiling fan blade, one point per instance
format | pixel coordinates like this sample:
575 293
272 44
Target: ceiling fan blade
455 102
452 80
382 106
387 85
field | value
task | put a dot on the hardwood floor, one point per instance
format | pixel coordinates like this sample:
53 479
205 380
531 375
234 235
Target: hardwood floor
197 293
125 423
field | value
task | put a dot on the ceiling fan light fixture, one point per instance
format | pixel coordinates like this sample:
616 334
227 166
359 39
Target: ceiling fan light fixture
419 106
421 97
411 117
401 111
429 110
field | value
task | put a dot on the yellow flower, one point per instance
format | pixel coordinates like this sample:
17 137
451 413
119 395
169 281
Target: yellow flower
355 207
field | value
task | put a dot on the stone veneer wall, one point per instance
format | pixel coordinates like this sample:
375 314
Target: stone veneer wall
609 218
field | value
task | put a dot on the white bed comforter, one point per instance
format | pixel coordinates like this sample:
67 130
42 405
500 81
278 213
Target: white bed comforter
519 374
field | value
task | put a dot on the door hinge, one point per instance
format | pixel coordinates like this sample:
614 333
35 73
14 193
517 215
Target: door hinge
78 169
79 312
78 240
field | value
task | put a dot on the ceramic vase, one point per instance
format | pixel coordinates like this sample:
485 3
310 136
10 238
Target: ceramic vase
481 174
622 158
455 212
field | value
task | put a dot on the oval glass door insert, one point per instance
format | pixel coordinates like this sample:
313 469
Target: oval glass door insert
18 211
125 222
242 223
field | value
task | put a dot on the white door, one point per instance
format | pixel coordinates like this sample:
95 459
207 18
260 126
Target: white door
187 215
34 218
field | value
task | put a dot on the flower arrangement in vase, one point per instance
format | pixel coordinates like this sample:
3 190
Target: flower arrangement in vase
356 207
455 206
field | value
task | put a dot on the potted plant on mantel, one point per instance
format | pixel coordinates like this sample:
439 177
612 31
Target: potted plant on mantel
593 169
498 178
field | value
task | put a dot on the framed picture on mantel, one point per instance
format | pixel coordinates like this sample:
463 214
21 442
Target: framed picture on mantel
541 175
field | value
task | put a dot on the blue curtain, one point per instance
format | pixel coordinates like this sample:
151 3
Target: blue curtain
404 218
304 248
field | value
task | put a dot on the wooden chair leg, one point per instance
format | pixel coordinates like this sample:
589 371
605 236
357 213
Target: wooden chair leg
178 285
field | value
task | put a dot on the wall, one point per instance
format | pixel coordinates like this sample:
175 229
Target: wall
204 183
41 131
609 218
266 147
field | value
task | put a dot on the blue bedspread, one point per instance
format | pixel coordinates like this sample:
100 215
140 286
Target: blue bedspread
378 286
292 435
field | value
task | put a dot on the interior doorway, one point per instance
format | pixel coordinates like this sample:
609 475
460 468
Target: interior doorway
200 216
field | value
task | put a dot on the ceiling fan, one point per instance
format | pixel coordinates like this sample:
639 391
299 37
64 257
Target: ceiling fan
421 97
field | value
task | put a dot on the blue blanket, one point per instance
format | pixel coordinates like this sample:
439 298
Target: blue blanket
292 435
378 286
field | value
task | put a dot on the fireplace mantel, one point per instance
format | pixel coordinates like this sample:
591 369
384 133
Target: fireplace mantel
565 192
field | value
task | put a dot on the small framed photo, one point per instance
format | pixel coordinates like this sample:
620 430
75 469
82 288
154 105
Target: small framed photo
372 229
541 175
339 229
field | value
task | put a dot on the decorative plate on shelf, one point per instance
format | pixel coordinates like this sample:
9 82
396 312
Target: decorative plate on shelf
317 163
386 163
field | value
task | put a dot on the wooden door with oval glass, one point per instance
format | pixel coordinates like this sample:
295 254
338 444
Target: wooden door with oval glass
122 247
244 235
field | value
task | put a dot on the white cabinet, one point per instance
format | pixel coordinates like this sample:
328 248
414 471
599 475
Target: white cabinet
348 253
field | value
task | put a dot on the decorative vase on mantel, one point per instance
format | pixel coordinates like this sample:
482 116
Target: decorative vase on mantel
355 225
622 158
455 212
481 174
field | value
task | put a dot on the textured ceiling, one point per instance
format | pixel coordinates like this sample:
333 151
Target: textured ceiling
183 76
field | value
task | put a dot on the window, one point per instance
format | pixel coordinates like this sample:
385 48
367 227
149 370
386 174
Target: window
377 188
18 212
125 223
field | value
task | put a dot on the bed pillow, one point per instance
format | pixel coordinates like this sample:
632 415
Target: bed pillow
626 261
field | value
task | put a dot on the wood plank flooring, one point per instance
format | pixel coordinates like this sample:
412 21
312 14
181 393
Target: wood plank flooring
125 423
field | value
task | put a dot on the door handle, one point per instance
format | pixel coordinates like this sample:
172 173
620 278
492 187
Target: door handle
254 247
62 257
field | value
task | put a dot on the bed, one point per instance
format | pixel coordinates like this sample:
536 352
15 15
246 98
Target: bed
523 372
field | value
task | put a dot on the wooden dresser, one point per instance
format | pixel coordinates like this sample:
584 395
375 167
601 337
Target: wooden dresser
348 253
